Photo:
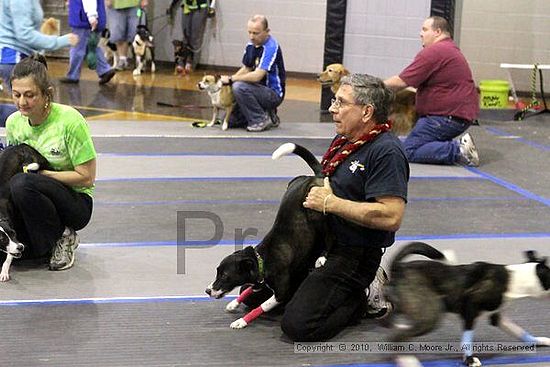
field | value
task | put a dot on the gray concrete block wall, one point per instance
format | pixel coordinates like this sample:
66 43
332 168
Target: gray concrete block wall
382 36
506 31
298 25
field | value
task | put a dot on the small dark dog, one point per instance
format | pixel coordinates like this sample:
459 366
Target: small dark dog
423 290
14 159
144 49
182 57
285 255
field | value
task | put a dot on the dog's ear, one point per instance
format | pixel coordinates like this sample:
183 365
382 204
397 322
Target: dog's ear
247 266
345 71
217 77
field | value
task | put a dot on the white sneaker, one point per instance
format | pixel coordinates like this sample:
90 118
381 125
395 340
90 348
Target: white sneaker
377 306
468 151
63 253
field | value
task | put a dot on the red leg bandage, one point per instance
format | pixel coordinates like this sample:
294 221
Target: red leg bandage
244 295
253 315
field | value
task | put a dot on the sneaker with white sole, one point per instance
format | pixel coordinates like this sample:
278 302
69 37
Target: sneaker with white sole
377 306
468 152
260 126
63 253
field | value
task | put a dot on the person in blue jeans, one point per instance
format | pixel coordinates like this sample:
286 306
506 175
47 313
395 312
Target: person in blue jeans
85 17
446 99
20 37
259 85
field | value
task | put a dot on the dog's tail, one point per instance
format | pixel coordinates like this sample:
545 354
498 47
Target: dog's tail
417 248
306 155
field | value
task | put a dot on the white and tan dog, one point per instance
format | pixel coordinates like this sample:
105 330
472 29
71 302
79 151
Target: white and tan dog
221 97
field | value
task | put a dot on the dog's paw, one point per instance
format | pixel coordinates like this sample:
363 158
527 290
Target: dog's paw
225 125
136 72
543 341
31 168
211 123
321 261
153 67
238 324
232 306
4 277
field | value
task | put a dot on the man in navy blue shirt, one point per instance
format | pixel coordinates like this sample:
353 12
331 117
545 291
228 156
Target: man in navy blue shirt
364 197
259 85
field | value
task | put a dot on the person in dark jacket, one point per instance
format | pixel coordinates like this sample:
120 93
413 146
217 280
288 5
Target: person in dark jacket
87 18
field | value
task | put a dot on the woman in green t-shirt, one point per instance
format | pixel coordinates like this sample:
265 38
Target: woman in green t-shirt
51 205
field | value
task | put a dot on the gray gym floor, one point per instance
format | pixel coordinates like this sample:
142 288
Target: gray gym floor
135 298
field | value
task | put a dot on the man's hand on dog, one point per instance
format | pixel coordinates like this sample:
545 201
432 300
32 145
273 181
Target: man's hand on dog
318 197
226 79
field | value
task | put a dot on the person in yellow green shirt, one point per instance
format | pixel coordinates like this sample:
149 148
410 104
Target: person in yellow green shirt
50 205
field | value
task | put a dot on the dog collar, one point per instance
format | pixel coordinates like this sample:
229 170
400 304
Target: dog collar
260 267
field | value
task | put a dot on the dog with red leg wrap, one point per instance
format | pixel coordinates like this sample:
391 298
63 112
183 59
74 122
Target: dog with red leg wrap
283 258
422 290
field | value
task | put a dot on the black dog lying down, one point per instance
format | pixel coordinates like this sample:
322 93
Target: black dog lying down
13 159
423 290
285 255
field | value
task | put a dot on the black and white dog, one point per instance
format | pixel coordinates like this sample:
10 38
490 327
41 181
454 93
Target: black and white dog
14 159
109 48
283 258
144 49
422 290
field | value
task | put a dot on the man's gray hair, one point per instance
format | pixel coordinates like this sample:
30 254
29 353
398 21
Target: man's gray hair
368 89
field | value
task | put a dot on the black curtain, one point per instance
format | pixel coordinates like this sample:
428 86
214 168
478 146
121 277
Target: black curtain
445 9
335 29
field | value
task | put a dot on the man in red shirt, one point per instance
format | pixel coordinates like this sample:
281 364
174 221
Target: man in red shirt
446 99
